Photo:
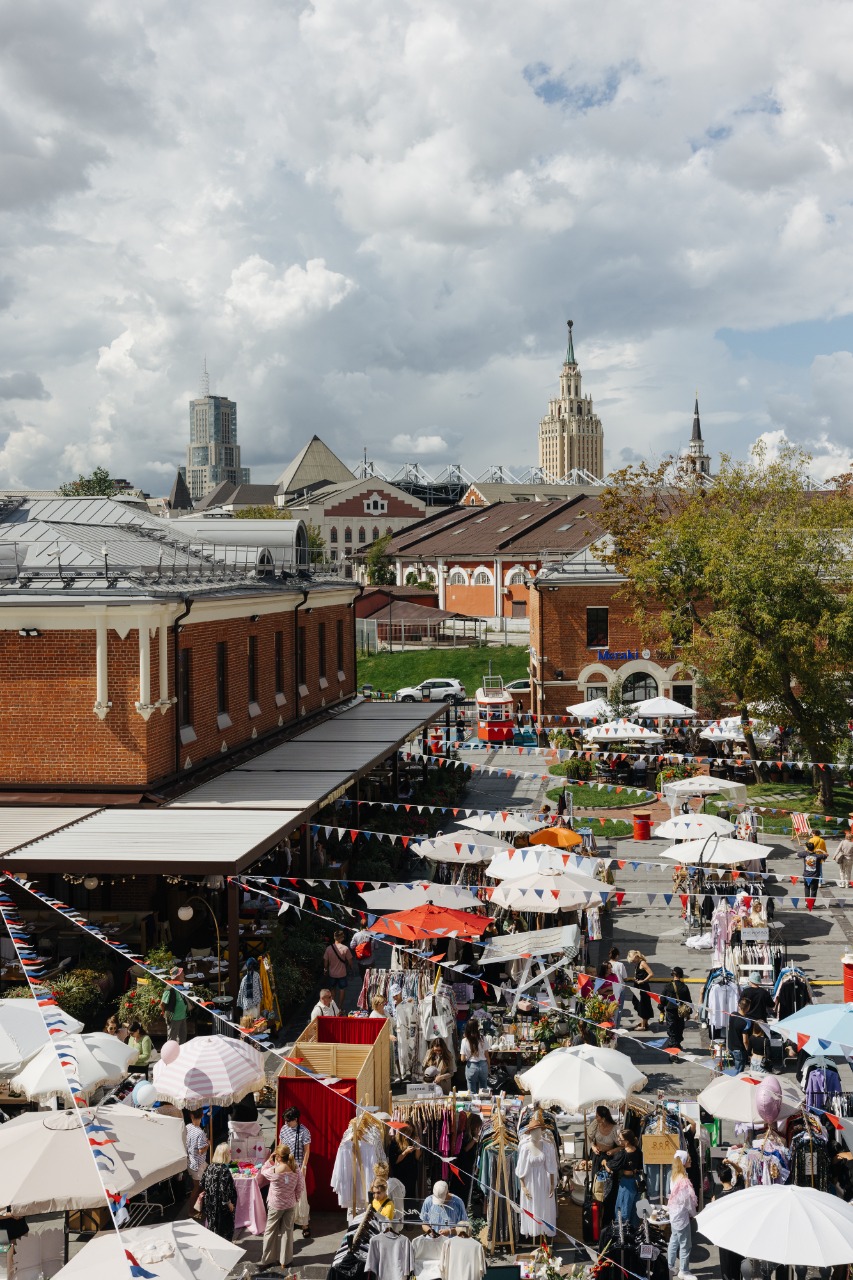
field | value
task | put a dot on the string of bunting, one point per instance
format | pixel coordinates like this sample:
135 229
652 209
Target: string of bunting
674 757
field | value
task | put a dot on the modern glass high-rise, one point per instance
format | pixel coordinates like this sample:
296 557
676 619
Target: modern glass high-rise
213 454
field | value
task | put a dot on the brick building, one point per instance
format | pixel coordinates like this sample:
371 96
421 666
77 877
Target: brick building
131 654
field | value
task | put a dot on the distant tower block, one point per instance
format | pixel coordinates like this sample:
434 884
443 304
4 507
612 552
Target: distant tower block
570 435
213 454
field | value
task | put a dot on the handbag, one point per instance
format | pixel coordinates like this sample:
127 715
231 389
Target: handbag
602 1185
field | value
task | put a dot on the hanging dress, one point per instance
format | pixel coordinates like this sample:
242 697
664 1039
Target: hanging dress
537 1173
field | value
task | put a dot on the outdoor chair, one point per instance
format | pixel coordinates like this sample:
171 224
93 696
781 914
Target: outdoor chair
801 827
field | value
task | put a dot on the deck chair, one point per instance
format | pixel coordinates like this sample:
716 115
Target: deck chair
801 828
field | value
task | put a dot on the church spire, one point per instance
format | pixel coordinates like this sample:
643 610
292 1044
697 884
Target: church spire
697 430
570 350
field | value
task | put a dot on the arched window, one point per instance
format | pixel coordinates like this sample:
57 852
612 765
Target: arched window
481 578
362 535
390 531
348 534
333 533
375 534
457 578
518 578
638 687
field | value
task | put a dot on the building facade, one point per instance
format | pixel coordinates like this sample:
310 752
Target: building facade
213 454
571 437
352 515
131 655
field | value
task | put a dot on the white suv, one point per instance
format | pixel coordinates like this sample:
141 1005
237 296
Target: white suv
433 691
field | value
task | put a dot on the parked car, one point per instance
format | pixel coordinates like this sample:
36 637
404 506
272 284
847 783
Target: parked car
518 686
433 691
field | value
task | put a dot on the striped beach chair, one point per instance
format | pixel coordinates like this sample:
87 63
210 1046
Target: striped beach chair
801 827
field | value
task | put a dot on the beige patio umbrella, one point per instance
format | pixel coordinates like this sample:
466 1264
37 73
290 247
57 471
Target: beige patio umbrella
95 1059
210 1070
23 1031
46 1163
182 1250
577 1081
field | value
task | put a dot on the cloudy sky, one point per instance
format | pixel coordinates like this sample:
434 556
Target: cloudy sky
375 216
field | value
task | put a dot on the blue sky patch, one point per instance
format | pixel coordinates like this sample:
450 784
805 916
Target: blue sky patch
792 344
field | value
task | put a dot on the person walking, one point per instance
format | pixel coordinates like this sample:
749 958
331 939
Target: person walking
676 1008
682 1207
619 971
737 1036
287 1183
843 859
197 1145
337 966
174 1008
249 994
294 1135
361 946
219 1193
475 1056
813 856
643 974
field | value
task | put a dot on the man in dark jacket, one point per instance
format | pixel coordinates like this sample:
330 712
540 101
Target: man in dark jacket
674 995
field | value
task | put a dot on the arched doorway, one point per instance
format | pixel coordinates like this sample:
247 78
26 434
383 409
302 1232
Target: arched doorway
639 686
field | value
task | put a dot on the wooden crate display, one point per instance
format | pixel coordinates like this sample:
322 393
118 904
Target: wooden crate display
368 1064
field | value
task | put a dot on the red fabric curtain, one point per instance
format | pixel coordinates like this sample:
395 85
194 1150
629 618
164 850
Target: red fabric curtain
348 1030
325 1111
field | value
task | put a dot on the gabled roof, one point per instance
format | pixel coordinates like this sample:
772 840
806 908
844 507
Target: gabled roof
506 528
494 491
314 465
179 499
217 496
326 493
252 495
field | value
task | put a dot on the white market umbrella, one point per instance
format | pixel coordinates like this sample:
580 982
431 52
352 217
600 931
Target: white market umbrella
617 1065
23 1032
730 729
95 1060
693 826
595 709
715 852
504 820
399 897
544 860
704 785
564 1079
542 894
460 847
46 1163
170 1250
668 708
796 1226
621 731
210 1070
733 1097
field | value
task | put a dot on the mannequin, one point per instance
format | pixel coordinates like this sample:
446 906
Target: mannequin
537 1171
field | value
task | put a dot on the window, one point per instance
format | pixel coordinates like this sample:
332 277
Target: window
638 687
362 534
519 608
348 535
300 655
518 578
321 645
253 668
279 662
375 533
333 534
457 578
595 691
340 643
683 693
222 678
596 628
390 531
185 689
482 578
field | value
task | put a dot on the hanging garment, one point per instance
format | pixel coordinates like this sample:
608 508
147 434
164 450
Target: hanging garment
405 1029
438 1019
537 1171
389 1256
351 1255
462 1259
355 1163
426 1251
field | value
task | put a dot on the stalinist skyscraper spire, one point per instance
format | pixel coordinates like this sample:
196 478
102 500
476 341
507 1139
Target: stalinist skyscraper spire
570 435
696 459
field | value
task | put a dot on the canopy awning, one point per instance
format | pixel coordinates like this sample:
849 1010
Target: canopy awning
539 942
21 824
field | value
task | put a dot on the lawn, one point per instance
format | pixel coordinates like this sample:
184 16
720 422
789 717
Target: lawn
592 798
793 796
391 671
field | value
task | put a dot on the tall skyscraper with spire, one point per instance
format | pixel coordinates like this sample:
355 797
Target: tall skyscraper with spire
696 459
213 454
570 435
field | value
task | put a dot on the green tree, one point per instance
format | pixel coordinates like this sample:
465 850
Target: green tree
380 566
99 484
316 542
269 512
760 564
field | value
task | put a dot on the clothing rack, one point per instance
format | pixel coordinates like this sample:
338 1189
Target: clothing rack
503 1186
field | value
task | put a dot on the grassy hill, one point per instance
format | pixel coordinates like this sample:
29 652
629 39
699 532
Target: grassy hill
391 671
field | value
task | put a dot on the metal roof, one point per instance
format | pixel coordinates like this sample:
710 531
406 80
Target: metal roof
157 842
21 823
506 528
314 464
325 757
245 789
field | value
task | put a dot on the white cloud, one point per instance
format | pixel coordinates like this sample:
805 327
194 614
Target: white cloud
269 301
419 446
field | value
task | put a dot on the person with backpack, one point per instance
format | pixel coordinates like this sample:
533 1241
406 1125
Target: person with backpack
174 1008
361 946
337 966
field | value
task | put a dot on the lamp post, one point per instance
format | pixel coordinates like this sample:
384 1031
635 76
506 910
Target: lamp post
186 913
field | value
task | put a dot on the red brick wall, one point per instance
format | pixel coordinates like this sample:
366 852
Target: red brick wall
51 736
354 506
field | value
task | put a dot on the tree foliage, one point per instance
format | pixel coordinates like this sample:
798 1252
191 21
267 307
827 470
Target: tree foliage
380 566
99 484
265 512
316 541
747 580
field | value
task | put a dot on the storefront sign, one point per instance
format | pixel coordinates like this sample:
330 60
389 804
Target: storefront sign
618 655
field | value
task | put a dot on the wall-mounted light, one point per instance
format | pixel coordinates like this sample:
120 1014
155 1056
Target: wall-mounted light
256 617
91 883
29 631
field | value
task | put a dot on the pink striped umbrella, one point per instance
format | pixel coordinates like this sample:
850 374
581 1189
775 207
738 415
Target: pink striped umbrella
210 1070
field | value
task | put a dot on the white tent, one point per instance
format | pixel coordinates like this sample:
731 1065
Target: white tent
730 729
667 708
575 1082
715 851
797 1226
540 859
621 731
733 1097
693 826
460 847
399 897
503 820
703 785
595 709
542 894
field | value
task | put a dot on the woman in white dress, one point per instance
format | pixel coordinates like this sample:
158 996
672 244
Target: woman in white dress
537 1171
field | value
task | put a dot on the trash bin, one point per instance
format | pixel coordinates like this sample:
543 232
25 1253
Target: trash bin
642 826
847 963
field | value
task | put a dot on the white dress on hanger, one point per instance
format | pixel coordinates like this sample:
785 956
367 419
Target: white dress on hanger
537 1171
405 1029
350 1185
